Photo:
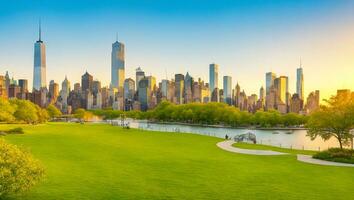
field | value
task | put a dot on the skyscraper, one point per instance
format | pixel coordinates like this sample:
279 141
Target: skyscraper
281 86
139 74
300 82
86 82
39 70
213 77
227 80
270 76
118 65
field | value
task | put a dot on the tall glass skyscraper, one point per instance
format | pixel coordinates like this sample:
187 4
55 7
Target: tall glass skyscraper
300 82
227 80
39 69
118 65
213 77
270 76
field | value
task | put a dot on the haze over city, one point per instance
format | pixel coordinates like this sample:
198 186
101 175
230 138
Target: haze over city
168 37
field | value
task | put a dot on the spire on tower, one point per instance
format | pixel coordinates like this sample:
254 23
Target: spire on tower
300 63
116 36
40 31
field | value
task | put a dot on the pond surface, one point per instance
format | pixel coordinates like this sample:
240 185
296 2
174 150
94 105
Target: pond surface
295 139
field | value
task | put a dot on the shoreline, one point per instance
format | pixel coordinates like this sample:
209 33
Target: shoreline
230 127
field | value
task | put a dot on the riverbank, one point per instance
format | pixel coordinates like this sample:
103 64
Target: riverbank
225 126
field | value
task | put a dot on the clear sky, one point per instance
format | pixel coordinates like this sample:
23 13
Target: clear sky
164 37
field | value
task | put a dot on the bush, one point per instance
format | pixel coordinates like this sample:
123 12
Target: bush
336 155
17 130
19 171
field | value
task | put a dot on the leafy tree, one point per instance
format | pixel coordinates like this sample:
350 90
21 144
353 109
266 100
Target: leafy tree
25 111
335 119
53 111
6 112
19 170
82 114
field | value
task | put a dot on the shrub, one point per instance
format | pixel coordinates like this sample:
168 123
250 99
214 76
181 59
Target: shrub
17 130
19 171
336 155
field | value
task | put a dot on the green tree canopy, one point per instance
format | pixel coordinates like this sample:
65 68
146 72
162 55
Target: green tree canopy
53 111
19 170
335 119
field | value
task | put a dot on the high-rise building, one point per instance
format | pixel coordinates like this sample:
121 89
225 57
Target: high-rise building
23 83
139 74
179 83
53 91
300 82
129 89
281 86
313 101
96 87
270 77
227 80
39 68
144 93
295 104
118 65
213 77
188 90
86 82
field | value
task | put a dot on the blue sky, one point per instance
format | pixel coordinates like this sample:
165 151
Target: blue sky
246 38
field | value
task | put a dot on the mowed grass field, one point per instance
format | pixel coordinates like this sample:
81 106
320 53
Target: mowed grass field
96 161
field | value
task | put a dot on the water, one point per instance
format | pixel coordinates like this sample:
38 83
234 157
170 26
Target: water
297 139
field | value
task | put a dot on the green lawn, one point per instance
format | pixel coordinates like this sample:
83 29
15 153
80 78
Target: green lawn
268 147
104 162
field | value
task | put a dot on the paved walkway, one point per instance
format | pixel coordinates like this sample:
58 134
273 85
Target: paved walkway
227 146
309 159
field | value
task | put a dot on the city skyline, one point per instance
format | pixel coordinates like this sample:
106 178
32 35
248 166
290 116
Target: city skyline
158 59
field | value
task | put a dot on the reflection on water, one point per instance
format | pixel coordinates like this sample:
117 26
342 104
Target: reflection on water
296 139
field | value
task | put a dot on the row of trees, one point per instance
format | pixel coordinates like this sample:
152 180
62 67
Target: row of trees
209 114
24 111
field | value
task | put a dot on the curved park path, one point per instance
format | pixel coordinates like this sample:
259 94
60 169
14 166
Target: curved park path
227 146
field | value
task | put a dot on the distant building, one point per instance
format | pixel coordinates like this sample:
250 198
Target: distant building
281 86
227 87
188 89
179 88
300 82
296 104
53 91
86 82
118 65
144 93
139 74
270 77
39 69
313 101
129 91
213 77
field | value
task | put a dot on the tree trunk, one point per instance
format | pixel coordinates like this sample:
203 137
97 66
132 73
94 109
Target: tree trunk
340 142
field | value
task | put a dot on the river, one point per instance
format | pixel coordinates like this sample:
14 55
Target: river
295 139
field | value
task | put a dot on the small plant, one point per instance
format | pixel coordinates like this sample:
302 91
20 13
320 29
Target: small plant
17 130
336 155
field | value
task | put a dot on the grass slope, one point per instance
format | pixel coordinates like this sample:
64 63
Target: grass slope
268 147
104 162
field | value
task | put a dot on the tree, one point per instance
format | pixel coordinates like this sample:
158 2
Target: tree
53 111
79 114
6 112
25 111
19 170
335 119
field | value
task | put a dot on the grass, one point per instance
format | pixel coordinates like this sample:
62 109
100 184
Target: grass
268 147
94 161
